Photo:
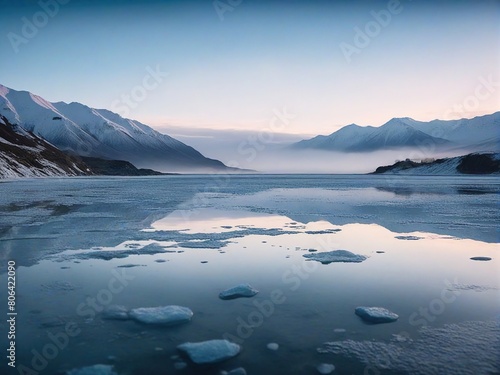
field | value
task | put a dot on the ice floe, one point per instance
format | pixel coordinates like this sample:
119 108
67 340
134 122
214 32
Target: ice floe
342 256
409 238
325 368
211 351
162 315
468 348
241 290
273 346
115 312
484 259
236 371
466 287
324 231
131 265
376 314
93 370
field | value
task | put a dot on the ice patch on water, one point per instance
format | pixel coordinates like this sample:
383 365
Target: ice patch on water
59 287
236 371
241 290
93 370
325 368
131 265
324 231
409 238
273 346
468 348
476 288
115 312
163 315
481 259
211 351
203 244
342 256
376 314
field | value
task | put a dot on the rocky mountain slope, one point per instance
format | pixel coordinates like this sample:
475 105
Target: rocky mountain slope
100 133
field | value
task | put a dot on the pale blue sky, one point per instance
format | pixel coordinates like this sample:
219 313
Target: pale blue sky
264 55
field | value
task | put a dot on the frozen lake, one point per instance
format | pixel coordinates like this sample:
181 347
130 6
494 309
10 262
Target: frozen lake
181 240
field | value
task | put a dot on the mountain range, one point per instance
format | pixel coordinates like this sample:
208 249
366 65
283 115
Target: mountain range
42 138
80 130
480 133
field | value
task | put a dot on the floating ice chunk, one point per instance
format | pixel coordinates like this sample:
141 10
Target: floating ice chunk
324 231
477 288
376 314
210 351
93 370
131 265
241 290
325 368
115 312
336 256
409 238
339 330
273 346
236 371
484 259
164 315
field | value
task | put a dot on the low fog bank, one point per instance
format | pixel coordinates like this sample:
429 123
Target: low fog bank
309 161
269 152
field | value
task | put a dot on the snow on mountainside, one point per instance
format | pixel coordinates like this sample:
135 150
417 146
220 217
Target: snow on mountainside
476 163
480 133
344 139
23 154
100 133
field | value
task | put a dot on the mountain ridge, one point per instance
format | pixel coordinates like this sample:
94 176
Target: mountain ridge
401 132
77 128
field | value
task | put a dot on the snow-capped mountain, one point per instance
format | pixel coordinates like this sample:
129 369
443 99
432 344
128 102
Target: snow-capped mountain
86 131
477 134
23 154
